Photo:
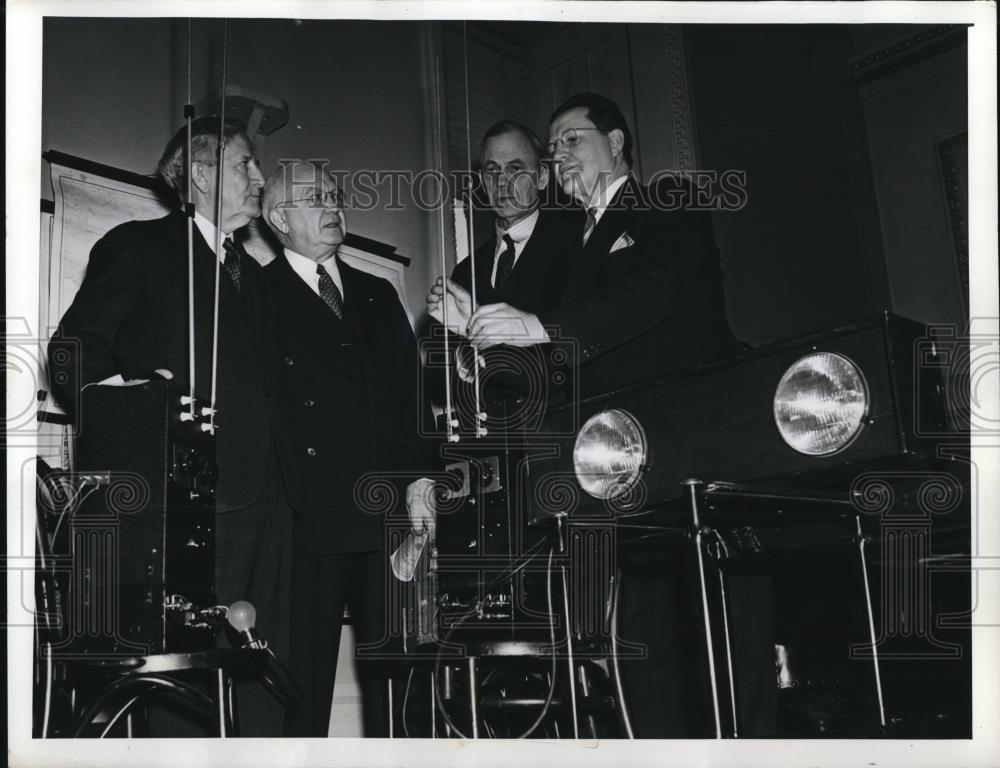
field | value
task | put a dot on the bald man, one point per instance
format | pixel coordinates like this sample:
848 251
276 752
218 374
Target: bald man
348 380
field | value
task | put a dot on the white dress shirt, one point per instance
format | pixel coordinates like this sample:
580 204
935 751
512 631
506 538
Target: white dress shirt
519 233
305 268
605 196
208 231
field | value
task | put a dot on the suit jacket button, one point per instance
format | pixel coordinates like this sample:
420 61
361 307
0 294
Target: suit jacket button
289 361
311 451
309 403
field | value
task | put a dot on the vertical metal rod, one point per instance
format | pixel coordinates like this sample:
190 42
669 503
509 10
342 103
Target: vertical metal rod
473 693
585 688
569 651
871 619
622 705
231 713
433 707
709 643
189 110
388 684
220 679
729 652
447 696
128 726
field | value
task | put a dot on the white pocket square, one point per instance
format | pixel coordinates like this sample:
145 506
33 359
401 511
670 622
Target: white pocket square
624 241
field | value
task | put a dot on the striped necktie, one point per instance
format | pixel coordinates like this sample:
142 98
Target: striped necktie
329 293
588 229
232 260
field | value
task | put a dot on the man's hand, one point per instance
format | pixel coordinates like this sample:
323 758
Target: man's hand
459 305
501 323
464 365
422 506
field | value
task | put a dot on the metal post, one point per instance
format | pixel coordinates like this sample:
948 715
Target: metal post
433 705
392 730
871 619
447 694
729 652
569 653
473 692
221 692
709 643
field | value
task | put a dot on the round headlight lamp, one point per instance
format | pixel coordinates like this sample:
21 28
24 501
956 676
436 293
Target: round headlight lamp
820 404
609 454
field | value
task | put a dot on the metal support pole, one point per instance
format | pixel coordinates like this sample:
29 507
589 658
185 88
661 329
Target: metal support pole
473 692
709 643
433 706
448 693
221 691
569 655
729 652
871 619
392 730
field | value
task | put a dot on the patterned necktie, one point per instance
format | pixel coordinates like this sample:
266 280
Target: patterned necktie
232 260
329 293
588 229
505 265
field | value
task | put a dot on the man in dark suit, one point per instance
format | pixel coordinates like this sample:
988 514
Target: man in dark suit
349 379
526 261
645 291
130 318
645 297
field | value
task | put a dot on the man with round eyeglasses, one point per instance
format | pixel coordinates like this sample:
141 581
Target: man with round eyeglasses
348 381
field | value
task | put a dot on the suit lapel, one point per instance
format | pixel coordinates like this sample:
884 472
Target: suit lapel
615 221
307 317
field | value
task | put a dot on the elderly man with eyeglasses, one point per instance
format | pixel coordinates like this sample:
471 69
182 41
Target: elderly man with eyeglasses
349 383
645 295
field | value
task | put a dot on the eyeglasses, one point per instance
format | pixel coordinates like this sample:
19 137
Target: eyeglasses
568 138
331 198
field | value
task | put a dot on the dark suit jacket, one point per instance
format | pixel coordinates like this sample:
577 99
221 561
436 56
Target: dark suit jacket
312 372
645 295
539 275
535 284
130 317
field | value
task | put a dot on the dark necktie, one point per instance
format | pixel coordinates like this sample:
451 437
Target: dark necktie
232 260
329 293
505 265
588 229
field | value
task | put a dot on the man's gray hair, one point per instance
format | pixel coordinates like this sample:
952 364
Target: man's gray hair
204 148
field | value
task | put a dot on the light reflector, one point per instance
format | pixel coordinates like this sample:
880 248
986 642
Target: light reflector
820 404
609 454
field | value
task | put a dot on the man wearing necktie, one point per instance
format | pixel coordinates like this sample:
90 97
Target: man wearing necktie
349 381
130 318
644 293
645 297
528 258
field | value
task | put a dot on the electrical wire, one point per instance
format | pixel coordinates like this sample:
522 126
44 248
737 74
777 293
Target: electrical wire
406 698
552 640
614 660
119 713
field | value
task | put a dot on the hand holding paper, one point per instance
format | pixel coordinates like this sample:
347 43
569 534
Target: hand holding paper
453 297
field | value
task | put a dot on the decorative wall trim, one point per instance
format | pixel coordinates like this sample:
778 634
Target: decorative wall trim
680 101
953 154
926 43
